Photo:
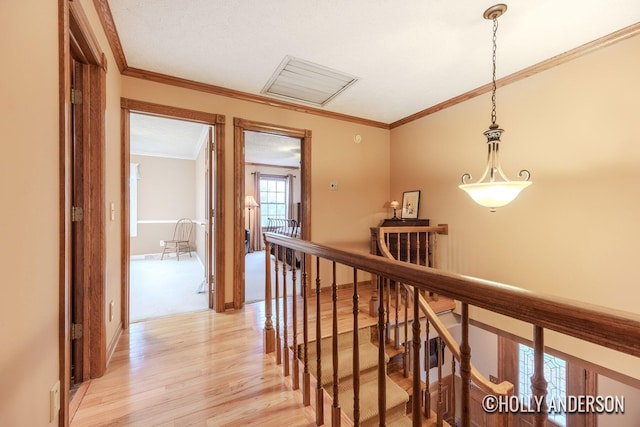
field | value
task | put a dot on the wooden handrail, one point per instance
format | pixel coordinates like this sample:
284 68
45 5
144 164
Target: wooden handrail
600 325
505 388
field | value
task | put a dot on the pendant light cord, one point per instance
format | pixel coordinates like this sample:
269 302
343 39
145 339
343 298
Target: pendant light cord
493 59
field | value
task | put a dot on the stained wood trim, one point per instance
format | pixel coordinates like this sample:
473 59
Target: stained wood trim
125 241
557 60
159 110
220 209
244 96
75 34
114 41
106 19
64 247
241 125
169 111
600 325
82 34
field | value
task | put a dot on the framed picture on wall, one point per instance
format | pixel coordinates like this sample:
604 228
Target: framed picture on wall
410 204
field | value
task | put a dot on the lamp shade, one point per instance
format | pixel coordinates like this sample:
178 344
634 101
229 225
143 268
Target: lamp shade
494 194
250 202
394 204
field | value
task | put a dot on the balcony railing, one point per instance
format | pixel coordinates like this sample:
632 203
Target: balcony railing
598 325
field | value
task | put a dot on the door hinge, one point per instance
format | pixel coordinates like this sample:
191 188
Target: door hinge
212 146
77 214
213 213
76 331
76 96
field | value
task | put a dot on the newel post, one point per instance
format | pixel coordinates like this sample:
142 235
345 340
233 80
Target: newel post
538 383
269 337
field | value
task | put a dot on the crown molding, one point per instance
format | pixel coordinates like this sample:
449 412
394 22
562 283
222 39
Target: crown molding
102 6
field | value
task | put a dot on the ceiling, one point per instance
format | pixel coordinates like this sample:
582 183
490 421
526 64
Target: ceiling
407 55
179 139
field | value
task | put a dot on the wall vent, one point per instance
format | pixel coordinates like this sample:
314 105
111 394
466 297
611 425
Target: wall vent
300 80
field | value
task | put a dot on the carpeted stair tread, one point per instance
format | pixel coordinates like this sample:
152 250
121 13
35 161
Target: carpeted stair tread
396 401
368 361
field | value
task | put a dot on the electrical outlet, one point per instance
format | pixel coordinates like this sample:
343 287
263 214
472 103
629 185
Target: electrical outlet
333 186
54 401
493 379
111 310
161 242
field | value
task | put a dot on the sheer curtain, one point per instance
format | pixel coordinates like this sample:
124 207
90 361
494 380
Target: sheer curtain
255 242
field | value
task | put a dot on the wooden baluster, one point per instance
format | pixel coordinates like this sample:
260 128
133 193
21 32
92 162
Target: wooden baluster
538 382
453 388
388 305
465 367
407 348
382 374
335 410
306 376
440 402
278 337
397 321
416 415
285 315
319 393
295 378
356 352
427 367
408 248
269 334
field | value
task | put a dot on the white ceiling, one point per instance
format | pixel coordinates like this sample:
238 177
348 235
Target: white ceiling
408 55
178 139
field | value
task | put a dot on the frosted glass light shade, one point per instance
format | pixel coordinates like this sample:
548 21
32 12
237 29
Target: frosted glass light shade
494 194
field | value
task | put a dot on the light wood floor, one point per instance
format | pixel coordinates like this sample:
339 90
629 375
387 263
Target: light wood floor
200 369
205 369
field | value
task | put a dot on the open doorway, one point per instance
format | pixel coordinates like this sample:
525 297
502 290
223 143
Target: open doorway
272 200
167 216
175 187
295 193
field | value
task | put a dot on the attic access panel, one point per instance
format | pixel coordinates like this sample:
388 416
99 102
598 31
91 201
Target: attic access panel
301 80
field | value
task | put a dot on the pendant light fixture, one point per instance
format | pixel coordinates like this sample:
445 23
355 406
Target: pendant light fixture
494 189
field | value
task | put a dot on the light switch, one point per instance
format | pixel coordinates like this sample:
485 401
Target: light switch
113 211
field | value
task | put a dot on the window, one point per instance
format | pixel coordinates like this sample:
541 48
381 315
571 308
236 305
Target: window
555 372
273 198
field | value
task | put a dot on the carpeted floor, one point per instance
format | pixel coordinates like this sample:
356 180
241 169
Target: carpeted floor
162 288
254 277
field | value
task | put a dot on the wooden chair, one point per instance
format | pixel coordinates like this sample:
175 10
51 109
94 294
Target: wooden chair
179 244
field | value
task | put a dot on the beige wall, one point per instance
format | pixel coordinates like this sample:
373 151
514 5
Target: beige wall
574 232
29 190
361 169
570 126
166 193
29 170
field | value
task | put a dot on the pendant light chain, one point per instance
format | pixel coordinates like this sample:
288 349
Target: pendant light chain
493 95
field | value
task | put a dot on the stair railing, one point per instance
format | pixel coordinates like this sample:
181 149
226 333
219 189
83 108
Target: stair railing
590 323
420 246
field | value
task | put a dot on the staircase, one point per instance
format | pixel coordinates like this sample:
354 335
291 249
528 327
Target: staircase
396 396
354 393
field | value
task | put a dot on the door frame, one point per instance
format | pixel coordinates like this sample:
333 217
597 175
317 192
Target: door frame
240 126
77 39
218 122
